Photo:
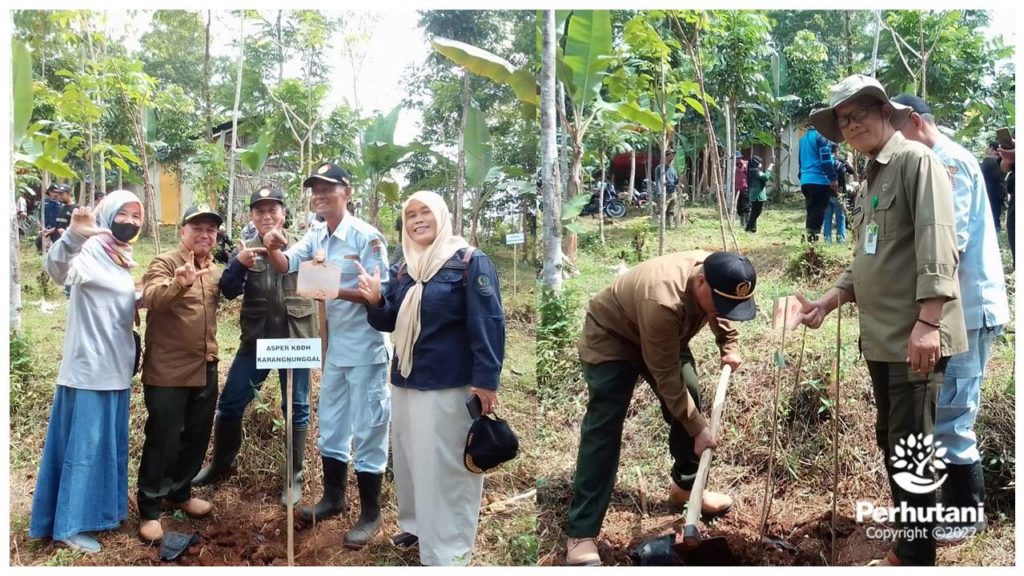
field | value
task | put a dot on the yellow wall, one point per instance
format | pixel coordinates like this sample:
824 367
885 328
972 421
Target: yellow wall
170 197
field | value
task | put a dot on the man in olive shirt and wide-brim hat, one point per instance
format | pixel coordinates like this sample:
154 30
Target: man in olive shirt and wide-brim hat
642 325
904 280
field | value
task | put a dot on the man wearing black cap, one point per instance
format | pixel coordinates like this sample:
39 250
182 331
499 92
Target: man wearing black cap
641 325
180 291
270 309
355 402
986 311
51 210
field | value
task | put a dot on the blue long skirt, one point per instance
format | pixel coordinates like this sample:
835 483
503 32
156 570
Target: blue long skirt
83 476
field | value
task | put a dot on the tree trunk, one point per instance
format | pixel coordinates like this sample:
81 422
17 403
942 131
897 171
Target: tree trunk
460 176
563 155
924 60
149 198
878 34
663 197
847 44
234 127
15 252
208 107
120 180
632 170
730 163
280 49
600 199
551 272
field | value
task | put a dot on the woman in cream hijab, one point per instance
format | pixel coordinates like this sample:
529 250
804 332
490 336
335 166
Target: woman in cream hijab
444 307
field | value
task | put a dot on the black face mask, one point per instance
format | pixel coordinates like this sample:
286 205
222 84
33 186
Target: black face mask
124 231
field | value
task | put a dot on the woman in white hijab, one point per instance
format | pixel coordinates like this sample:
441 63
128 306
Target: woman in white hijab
444 307
82 484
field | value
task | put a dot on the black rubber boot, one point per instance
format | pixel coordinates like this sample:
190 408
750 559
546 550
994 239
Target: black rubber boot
332 502
227 441
965 489
369 516
298 451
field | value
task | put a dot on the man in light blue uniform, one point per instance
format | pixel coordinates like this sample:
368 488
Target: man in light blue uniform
355 401
986 311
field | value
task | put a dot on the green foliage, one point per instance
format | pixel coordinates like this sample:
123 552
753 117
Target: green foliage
206 173
806 58
479 157
588 48
641 234
22 372
556 336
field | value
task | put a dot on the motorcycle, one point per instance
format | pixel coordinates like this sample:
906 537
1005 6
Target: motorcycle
613 207
638 199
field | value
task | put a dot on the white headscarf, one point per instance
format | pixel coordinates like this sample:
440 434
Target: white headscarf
422 262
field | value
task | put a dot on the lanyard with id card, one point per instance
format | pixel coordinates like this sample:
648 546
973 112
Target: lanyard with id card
871 236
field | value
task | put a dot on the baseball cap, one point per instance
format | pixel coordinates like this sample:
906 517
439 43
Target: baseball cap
198 211
328 172
732 279
916 103
266 192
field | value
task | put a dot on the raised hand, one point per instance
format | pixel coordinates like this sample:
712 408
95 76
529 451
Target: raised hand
369 286
274 240
812 314
187 274
247 256
83 222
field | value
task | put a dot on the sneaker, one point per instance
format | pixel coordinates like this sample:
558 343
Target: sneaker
582 552
82 542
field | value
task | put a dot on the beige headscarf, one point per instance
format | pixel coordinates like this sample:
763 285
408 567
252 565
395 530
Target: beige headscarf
422 262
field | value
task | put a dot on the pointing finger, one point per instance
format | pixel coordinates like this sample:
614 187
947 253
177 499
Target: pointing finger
360 268
241 242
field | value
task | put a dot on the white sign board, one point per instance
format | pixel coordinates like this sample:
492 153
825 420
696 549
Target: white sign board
517 238
284 353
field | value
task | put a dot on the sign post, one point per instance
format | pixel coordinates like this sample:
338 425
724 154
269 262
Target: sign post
515 239
288 354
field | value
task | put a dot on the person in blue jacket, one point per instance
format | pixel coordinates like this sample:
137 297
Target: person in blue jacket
818 180
444 307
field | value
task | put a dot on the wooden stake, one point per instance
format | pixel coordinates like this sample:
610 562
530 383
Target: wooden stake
835 427
766 502
289 467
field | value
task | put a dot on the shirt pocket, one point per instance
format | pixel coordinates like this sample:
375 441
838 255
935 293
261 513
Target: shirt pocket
887 217
446 293
300 323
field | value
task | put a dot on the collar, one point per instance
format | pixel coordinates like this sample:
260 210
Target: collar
690 304
341 232
890 148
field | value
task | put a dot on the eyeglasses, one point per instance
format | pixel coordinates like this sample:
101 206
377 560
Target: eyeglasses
855 116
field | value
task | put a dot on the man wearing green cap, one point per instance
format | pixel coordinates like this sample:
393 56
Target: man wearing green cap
904 280
642 325
181 292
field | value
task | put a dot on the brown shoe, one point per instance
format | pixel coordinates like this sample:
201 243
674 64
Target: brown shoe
582 552
712 503
194 507
151 532
890 560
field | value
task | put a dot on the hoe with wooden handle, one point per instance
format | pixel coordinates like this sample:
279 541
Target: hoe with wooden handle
696 550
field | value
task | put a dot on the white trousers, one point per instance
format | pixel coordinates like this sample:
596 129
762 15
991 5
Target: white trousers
438 499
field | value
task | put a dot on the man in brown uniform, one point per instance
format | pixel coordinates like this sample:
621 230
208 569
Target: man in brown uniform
904 280
642 325
179 370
